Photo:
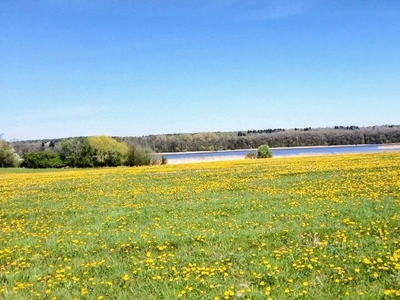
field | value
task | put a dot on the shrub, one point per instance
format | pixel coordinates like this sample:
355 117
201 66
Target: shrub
251 155
264 152
138 156
8 157
157 160
42 160
107 151
77 153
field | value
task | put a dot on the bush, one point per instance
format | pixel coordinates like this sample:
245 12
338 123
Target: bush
251 155
157 160
107 151
264 152
8 157
138 156
77 153
42 160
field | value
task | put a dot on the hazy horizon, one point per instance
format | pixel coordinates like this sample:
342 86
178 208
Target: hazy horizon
200 132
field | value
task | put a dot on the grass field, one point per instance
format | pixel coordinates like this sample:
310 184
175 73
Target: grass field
323 227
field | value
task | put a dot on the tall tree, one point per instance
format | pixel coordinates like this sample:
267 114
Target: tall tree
77 152
138 156
8 156
107 151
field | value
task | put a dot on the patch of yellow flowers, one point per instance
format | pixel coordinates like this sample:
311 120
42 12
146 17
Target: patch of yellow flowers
272 229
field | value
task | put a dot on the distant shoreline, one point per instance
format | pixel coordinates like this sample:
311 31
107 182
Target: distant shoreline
215 158
381 146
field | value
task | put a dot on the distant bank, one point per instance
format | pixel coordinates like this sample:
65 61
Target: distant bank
203 156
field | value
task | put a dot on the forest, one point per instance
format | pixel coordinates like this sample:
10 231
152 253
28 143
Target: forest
249 139
100 151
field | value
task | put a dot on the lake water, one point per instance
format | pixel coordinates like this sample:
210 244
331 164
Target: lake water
182 157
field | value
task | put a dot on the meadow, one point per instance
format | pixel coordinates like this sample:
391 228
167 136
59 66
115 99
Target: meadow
323 227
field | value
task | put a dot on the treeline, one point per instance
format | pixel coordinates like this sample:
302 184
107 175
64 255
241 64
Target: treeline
114 151
252 139
80 152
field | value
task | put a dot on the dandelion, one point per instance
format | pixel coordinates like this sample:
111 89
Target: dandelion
268 291
367 261
151 221
84 292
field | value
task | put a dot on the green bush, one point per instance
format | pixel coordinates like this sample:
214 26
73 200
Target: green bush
264 152
107 151
8 157
138 156
42 160
77 153
157 160
251 155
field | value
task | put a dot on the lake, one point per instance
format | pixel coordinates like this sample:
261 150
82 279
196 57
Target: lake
182 157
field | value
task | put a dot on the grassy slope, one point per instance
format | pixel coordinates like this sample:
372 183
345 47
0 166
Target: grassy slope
312 227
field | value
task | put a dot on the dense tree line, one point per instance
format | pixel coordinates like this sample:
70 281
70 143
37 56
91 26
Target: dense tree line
84 152
42 160
107 151
308 136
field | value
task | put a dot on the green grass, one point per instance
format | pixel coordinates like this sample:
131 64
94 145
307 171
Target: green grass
310 227
25 170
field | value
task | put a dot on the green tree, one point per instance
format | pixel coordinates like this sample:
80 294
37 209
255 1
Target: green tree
42 160
138 156
77 152
8 156
107 151
264 152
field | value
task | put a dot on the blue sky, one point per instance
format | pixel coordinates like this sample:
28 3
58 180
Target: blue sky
131 68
